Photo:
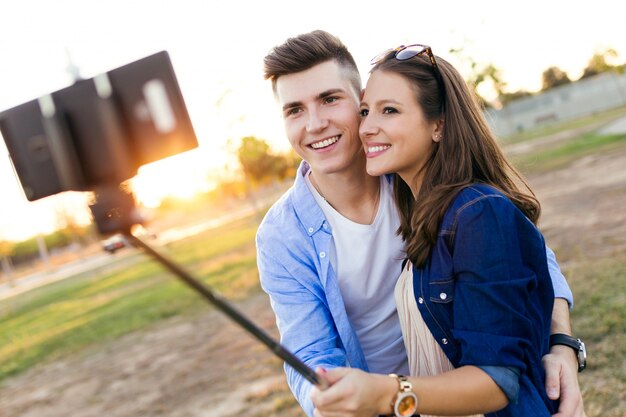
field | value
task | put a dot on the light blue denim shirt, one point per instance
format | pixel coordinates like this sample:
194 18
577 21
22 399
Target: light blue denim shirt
293 247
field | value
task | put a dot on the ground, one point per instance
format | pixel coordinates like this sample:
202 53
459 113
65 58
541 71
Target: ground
204 366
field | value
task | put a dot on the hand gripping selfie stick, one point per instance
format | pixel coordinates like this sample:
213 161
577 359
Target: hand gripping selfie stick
114 212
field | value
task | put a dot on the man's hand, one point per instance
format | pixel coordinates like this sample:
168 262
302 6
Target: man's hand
561 368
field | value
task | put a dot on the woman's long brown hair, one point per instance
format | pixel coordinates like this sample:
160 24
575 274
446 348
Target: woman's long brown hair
468 153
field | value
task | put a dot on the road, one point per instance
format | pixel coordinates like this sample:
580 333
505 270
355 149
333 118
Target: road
29 282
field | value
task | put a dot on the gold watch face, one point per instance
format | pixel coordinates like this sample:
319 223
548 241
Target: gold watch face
406 404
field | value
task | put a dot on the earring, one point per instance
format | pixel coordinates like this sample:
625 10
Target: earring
437 137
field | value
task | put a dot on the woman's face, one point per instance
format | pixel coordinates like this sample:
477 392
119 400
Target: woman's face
394 131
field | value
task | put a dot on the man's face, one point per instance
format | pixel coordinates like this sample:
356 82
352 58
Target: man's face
321 114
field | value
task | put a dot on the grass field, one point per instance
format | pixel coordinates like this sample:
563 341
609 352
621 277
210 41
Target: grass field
599 318
93 308
564 153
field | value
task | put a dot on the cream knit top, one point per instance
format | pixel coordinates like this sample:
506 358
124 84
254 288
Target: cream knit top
426 357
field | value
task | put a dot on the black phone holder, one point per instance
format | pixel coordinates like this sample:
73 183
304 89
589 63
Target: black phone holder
94 135
98 131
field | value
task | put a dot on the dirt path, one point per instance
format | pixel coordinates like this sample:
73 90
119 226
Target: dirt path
189 366
584 206
205 366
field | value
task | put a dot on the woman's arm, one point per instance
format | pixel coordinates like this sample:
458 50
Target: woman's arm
466 390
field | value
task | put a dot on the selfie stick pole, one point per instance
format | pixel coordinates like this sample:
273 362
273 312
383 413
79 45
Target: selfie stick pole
221 304
114 211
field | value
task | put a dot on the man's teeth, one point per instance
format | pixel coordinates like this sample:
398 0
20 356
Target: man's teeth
324 143
372 149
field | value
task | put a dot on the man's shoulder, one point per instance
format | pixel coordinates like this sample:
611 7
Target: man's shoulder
281 213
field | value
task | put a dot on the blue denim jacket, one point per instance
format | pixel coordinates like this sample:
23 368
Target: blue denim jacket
486 294
293 243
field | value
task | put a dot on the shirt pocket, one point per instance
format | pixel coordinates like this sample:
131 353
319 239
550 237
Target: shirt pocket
442 291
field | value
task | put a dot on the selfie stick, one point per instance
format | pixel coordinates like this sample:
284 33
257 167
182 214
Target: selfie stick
222 305
114 211
52 153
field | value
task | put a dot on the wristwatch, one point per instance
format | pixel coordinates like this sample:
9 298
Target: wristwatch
576 344
404 404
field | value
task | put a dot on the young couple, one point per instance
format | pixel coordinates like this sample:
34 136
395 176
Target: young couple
453 314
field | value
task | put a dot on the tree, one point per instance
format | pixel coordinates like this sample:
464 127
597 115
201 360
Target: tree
481 74
67 223
256 160
553 77
506 98
6 250
599 63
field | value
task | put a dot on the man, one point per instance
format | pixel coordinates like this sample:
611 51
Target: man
328 252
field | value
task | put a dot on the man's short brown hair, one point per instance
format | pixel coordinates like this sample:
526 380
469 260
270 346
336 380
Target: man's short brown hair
307 50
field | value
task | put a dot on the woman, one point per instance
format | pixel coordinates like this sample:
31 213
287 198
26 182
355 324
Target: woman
475 296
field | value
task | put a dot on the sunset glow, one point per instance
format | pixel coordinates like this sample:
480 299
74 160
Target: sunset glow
180 176
219 66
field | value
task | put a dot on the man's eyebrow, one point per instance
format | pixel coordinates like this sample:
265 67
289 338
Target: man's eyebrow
292 105
330 92
320 96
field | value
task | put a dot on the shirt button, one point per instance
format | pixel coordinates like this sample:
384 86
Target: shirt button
444 341
443 295
322 254
310 230
420 300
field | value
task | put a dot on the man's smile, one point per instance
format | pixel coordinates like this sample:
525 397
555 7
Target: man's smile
324 143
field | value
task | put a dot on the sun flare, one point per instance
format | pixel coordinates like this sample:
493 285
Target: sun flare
180 176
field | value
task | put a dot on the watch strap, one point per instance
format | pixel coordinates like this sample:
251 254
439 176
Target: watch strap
405 389
564 339
576 344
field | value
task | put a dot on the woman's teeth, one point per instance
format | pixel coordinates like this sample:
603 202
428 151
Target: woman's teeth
372 149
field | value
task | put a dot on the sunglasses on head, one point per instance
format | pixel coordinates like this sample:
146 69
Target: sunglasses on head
402 53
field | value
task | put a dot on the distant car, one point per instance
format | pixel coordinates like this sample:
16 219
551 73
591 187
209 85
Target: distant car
118 241
114 243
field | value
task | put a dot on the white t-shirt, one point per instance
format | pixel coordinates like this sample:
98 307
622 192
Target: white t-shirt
368 261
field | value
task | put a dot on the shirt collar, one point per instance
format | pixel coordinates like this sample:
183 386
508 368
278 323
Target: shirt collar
308 211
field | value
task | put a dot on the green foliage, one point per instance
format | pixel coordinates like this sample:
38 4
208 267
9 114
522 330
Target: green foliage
599 63
28 249
505 98
553 77
255 157
6 248
479 74
260 165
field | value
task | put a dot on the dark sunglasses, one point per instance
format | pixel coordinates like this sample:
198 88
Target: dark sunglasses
402 53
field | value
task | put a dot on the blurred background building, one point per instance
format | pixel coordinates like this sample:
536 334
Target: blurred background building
566 102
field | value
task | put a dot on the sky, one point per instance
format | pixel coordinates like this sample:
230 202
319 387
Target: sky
217 49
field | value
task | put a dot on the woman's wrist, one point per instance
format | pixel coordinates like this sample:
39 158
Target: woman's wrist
388 389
